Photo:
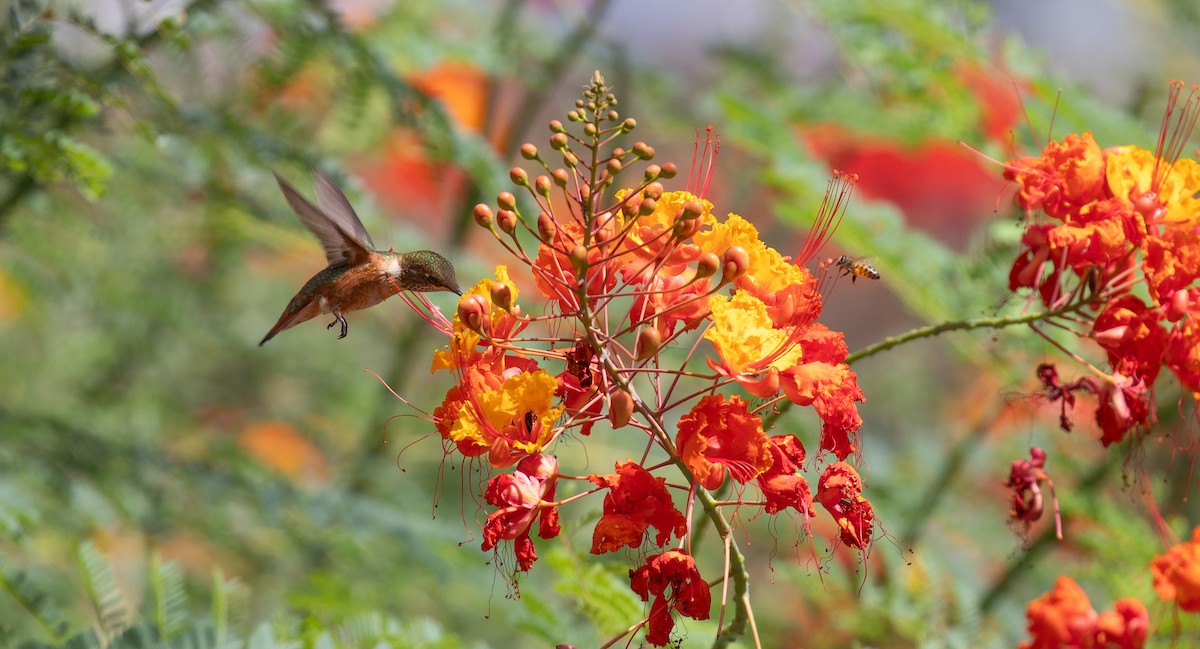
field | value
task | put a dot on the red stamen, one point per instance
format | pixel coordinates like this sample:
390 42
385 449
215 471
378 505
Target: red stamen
829 217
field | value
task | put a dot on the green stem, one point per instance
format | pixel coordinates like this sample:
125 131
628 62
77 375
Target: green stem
958 325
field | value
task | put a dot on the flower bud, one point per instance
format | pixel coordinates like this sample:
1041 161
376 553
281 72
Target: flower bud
620 409
629 124
501 295
528 151
643 150
483 215
669 170
1179 305
649 340
473 312
652 172
506 201
570 159
685 228
612 116
647 207
692 210
541 185
561 176
653 190
589 129
506 220
707 265
736 263
606 225
558 141
546 226
579 258
557 126
618 153
613 167
518 176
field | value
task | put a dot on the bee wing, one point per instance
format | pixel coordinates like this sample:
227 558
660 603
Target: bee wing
341 247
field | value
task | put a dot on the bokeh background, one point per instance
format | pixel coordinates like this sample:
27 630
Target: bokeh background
165 480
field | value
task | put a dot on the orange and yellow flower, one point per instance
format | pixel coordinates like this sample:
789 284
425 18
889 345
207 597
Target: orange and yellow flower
1064 619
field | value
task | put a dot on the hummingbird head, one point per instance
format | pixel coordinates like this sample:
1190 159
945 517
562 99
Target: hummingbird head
425 270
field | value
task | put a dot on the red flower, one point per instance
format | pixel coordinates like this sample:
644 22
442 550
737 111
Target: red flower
674 571
719 435
782 486
636 501
840 493
822 379
1133 338
1126 627
1124 405
1172 262
1176 574
1025 479
522 496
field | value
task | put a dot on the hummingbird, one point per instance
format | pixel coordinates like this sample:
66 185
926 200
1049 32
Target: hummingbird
358 275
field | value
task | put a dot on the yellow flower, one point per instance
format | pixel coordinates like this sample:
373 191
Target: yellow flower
463 340
744 336
769 272
1132 168
504 412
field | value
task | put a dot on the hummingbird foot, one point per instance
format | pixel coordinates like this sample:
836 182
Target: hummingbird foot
345 325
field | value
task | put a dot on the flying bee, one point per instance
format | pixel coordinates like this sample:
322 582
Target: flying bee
855 268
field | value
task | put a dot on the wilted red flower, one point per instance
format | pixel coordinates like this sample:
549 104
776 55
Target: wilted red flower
636 501
522 497
1176 574
718 436
1025 480
781 484
840 493
1064 619
675 572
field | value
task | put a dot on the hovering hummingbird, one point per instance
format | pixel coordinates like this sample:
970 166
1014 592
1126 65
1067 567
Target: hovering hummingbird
358 275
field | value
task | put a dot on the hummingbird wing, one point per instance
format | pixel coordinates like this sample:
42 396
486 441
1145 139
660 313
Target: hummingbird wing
333 203
341 247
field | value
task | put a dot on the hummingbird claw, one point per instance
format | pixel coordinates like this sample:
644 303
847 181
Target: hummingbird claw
338 318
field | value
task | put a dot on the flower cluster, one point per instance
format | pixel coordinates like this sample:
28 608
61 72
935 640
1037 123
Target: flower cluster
1176 574
629 274
1112 239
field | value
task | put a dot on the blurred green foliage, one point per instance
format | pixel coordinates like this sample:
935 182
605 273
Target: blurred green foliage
144 250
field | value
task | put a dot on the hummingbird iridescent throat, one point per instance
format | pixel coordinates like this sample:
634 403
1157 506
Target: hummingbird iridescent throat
358 275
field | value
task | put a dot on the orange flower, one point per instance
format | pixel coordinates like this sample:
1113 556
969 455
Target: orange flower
840 493
556 276
719 435
635 501
1064 619
1176 574
672 300
1065 176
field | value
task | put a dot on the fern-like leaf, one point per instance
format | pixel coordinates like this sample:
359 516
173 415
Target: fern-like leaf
106 596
